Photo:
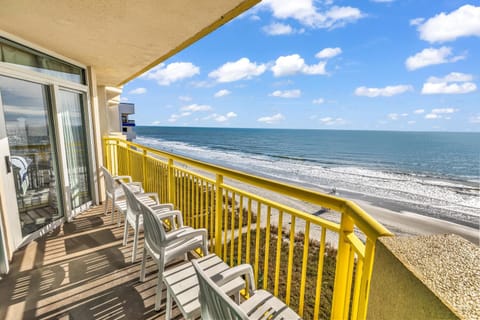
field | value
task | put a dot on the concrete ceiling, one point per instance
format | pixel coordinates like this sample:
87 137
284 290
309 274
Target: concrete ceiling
119 39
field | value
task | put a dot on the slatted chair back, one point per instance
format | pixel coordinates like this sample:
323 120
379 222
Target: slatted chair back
153 228
109 181
133 206
215 304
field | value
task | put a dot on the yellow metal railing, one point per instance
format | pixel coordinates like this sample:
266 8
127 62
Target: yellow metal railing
286 246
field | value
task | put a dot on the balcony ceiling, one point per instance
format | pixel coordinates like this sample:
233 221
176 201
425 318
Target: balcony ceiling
119 39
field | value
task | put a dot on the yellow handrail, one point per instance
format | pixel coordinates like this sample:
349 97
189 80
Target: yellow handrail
265 229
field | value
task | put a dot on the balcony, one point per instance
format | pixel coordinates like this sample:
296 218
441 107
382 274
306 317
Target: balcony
321 268
324 269
128 123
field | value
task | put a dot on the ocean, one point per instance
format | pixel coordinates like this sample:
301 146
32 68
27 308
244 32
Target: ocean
431 173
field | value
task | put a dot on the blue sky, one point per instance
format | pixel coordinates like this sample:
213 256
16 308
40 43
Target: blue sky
369 65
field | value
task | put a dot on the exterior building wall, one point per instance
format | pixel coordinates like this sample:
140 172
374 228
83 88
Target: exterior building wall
396 292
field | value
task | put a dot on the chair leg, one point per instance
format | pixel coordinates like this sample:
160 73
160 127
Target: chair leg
142 268
168 312
113 208
135 243
158 295
106 205
125 233
119 222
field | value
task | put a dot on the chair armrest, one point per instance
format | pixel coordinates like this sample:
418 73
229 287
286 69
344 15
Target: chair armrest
162 207
137 184
235 272
171 215
116 178
149 194
187 233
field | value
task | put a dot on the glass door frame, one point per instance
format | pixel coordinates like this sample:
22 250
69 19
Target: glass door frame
55 84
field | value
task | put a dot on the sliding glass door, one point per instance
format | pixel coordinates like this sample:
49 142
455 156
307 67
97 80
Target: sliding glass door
26 108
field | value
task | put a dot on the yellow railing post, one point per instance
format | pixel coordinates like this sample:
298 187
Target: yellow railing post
127 155
341 271
144 169
218 214
115 166
367 275
171 183
107 153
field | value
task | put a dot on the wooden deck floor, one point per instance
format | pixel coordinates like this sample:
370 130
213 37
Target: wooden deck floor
80 271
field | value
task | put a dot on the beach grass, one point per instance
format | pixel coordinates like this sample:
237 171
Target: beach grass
311 273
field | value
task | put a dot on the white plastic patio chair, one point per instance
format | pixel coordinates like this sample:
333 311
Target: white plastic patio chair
114 191
165 247
215 304
133 216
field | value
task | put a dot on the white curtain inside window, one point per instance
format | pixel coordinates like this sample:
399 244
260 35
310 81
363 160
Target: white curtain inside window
74 134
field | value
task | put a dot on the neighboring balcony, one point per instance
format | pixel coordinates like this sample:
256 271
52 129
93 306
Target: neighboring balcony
129 123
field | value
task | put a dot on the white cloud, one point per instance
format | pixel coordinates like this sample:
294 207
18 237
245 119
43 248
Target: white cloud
431 116
383 1
318 101
176 71
185 98
123 99
412 122
388 91
222 93
196 108
238 70
203 84
156 123
463 22
219 117
277 29
138 91
293 64
305 12
453 83
287 93
272 119
417 21
444 110
431 56
329 121
419 111
452 77
396 116
328 53
175 117
439 113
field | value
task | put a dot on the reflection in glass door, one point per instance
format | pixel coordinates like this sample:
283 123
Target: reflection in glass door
30 135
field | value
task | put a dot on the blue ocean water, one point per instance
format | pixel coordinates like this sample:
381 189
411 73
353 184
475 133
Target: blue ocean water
423 170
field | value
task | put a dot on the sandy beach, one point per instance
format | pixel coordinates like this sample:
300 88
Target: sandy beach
399 222
406 223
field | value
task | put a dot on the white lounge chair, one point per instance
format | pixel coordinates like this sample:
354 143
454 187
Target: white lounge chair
133 216
165 247
114 191
215 303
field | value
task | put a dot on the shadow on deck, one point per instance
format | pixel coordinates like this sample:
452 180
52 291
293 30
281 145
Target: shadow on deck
80 271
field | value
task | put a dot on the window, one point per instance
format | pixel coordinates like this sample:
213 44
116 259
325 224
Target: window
14 53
